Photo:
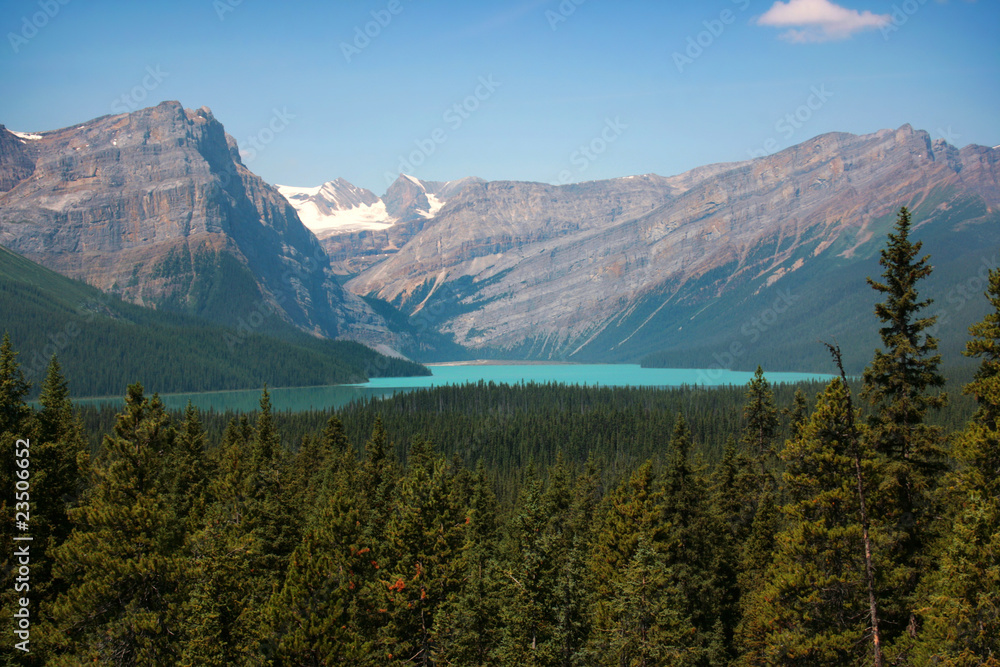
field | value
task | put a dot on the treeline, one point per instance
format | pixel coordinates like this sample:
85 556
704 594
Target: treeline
106 343
823 535
505 427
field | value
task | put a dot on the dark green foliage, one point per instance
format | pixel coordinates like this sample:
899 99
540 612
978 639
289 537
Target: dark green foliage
810 607
961 596
900 384
121 565
761 426
600 526
105 343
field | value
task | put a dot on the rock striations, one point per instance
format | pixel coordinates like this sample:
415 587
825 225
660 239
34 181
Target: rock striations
545 271
156 206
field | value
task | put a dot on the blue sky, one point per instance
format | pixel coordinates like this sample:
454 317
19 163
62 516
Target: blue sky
553 90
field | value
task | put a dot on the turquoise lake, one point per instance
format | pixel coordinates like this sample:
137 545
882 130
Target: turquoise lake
605 375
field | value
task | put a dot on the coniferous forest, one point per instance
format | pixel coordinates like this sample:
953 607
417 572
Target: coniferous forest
856 523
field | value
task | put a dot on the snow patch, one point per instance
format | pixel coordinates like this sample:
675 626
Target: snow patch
436 205
30 136
357 218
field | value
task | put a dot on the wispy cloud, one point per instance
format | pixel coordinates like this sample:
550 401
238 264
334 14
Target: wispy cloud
819 20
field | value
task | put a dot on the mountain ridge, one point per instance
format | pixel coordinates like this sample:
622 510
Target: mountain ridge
157 206
514 262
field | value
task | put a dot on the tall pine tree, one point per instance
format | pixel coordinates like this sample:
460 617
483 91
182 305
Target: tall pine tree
961 597
810 608
901 384
121 564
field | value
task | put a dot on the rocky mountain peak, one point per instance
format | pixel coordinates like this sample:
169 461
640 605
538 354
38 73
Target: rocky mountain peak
156 206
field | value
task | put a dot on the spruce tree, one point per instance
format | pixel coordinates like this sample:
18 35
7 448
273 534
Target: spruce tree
189 470
528 588
60 457
647 613
15 425
901 384
985 345
689 539
422 544
961 597
239 551
315 615
467 626
811 607
120 564
760 427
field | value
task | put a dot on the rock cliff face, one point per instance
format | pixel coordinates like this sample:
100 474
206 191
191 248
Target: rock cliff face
551 271
157 206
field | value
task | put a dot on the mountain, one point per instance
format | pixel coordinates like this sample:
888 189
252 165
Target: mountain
725 265
156 206
337 207
685 270
104 343
359 229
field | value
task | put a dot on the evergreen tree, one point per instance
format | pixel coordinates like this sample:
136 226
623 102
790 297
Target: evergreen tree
756 555
761 427
59 458
811 607
648 626
124 578
985 345
14 412
798 413
378 474
315 615
423 540
728 493
528 588
189 470
568 535
900 384
961 611
467 628
689 541
14 426
240 550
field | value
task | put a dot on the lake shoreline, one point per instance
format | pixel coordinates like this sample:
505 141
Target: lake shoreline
500 362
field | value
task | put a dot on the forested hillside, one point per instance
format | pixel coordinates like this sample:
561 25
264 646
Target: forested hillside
857 524
105 343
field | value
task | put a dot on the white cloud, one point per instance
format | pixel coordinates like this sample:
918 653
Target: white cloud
819 20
